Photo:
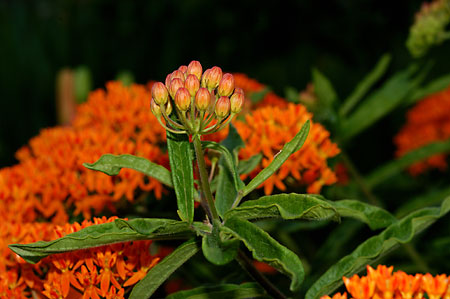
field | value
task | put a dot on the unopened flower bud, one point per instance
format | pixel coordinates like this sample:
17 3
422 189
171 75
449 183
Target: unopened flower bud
236 102
238 90
222 107
175 84
195 68
202 99
168 108
182 99
226 85
183 69
178 74
159 93
156 110
192 84
214 77
204 77
167 82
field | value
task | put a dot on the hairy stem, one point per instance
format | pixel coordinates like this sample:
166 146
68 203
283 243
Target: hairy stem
204 182
247 264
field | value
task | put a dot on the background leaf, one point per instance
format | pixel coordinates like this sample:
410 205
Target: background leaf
373 248
245 290
386 171
180 159
434 86
159 273
323 88
102 234
366 84
247 166
286 206
288 149
266 249
112 164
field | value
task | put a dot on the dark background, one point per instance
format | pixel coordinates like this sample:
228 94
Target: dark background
277 42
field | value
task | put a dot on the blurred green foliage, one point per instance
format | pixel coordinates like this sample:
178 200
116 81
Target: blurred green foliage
278 44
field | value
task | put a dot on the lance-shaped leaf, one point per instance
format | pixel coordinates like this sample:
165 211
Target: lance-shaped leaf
247 166
106 233
323 88
180 158
112 164
229 182
289 148
266 249
432 87
243 291
159 273
373 216
366 84
286 206
386 171
375 247
218 251
378 104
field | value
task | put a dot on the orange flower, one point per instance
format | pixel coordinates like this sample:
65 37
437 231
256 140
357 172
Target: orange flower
360 288
386 283
408 284
427 122
434 286
267 129
336 296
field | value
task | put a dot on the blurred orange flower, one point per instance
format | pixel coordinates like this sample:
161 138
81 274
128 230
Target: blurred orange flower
428 121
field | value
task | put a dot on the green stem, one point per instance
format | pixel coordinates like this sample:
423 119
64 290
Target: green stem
247 264
360 180
204 183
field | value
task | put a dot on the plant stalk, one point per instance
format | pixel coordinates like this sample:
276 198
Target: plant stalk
247 264
204 182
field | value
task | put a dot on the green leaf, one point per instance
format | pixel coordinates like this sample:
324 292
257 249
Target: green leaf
247 166
378 104
433 87
258 96
375 247
217 251
102 234
229 182
366 84
383 173
434 197
373 216
286 206
243 291
180 159
266 249
159 273
323 88
289 148
112 164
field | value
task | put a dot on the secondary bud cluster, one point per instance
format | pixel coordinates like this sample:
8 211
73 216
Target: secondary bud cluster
204 102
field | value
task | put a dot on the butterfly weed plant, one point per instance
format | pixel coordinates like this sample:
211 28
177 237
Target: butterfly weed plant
190 104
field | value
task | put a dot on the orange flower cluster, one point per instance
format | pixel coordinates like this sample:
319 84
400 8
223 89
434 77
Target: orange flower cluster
383 284
427 122
100 272
271 125
50 178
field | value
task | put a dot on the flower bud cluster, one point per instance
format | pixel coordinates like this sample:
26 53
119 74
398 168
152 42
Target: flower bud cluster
204 102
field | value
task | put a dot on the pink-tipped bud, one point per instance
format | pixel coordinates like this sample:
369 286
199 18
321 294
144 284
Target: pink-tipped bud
156 110
175 84
159 93
183 69
178 74
195 68
202 99
183 99
222 107
214 77
226 85
192 84
168 79
238 90
236 102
